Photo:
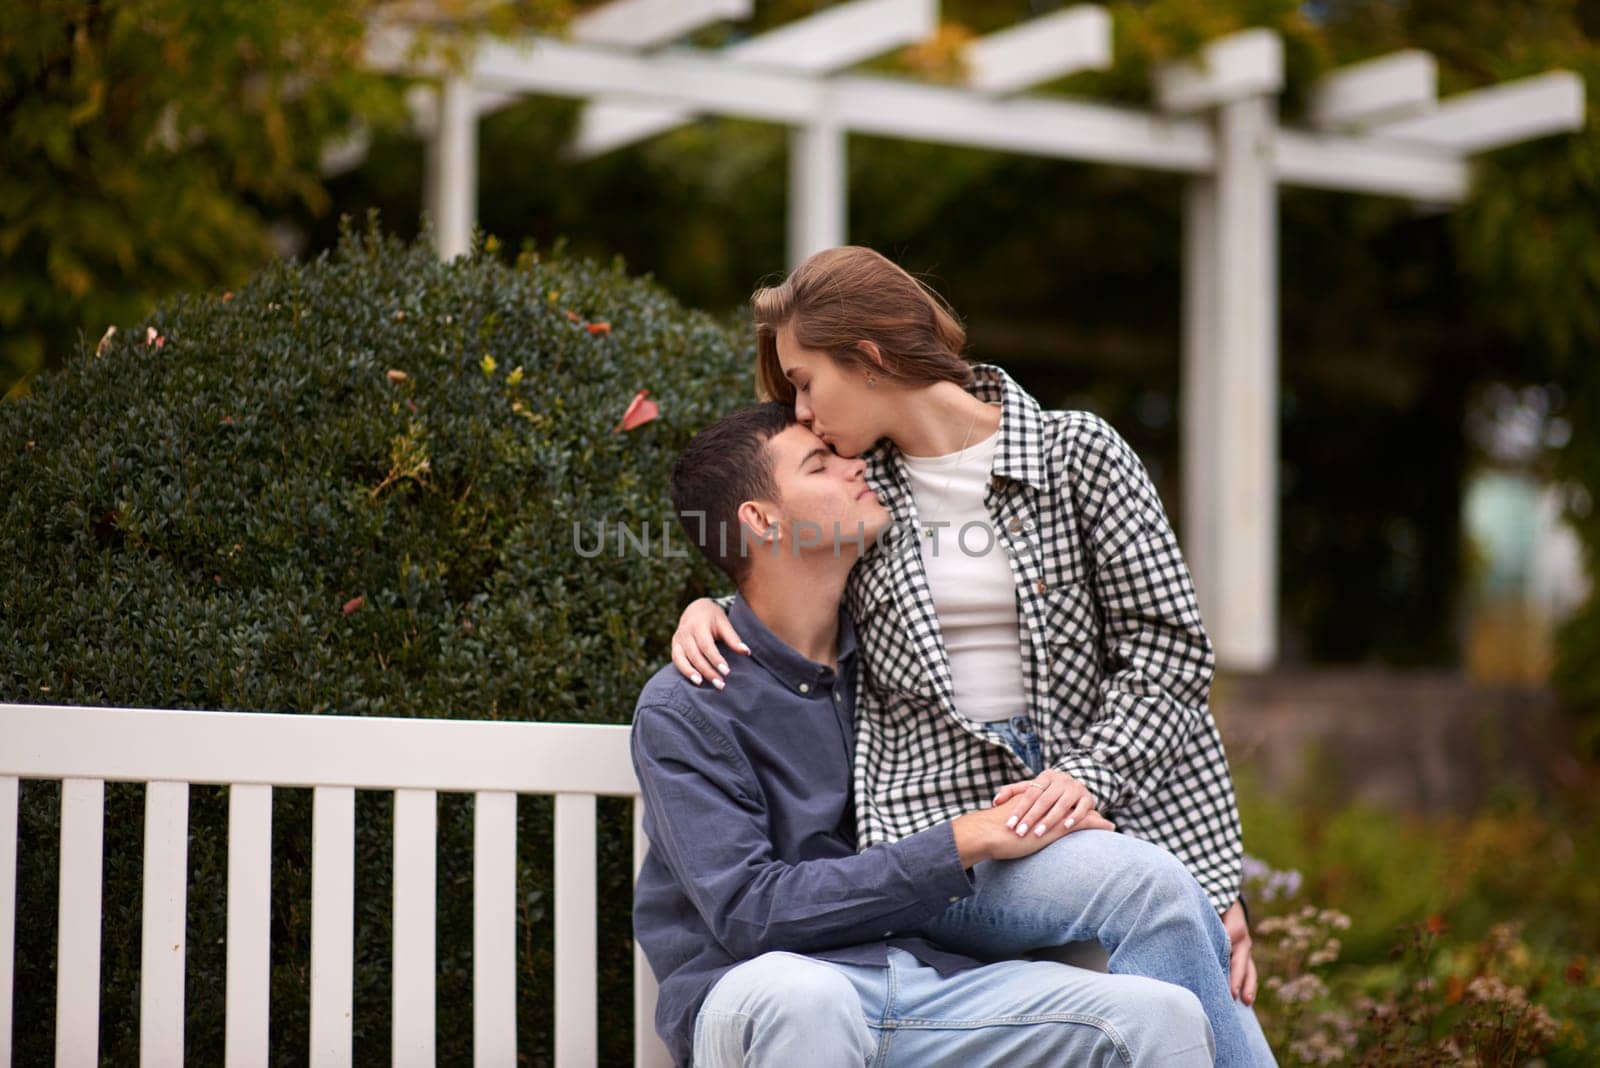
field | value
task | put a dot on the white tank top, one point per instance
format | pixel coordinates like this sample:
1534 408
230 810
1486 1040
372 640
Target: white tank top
973 591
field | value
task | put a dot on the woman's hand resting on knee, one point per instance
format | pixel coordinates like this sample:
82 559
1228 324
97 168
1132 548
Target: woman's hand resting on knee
1048 799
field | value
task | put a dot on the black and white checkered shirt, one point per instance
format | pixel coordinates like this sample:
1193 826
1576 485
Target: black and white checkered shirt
1116 664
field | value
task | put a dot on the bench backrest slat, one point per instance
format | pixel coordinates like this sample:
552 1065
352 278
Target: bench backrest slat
494 928
333 896
577 1029
249 976
8 908
416 834
647 1048
78 922
162 929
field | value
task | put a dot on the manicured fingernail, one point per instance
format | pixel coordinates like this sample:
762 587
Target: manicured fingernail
1023 829
1039 830
745 647
1012 822
1070 821
717 683
722 668
697 679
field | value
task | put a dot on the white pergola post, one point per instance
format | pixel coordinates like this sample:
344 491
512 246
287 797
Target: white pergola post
1245 398
818 197
1230 338
452 168
1197 390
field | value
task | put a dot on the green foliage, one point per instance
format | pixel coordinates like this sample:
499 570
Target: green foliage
149 145
1456 928
351 487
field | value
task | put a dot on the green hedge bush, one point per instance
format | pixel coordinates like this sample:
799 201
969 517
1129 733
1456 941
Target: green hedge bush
350 488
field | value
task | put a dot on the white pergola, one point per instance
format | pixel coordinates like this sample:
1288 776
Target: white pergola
1377 127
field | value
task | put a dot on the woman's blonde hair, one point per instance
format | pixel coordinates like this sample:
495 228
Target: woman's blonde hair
841 297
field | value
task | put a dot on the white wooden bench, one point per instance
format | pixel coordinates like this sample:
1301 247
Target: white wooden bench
335 756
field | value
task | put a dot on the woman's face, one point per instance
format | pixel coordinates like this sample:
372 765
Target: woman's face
829 397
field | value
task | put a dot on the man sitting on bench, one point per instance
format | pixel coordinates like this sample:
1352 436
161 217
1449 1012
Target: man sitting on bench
774 942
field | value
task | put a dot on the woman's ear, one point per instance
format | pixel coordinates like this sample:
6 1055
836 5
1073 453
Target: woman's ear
872 352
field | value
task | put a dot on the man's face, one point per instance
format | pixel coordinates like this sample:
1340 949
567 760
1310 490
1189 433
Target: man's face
824 502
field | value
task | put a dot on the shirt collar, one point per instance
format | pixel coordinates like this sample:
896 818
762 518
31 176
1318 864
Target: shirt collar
780 658
1021 453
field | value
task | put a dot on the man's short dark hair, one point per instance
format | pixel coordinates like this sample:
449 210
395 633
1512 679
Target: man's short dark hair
723 466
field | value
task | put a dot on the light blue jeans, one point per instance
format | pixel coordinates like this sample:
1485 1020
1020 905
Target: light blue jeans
784 1010
1135 899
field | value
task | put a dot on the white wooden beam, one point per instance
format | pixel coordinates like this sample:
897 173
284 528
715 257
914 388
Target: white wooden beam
647 23
1031 125
621 24
1362 165
1040 50
1500 115
1389 87
840 36
833 39
1245 64
694 79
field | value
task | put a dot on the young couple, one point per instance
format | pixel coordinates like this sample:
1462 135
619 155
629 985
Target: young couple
968 644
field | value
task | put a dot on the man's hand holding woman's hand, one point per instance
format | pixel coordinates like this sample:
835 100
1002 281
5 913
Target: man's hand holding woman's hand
985 835
694 643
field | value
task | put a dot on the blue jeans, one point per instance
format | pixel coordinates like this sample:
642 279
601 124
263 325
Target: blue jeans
1132 897
1020 737
785 1010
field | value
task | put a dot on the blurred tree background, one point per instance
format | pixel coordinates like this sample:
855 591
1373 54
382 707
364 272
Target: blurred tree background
153 147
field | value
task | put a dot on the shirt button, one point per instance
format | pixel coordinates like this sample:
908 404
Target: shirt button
1015 526
888 934
836 695
997 482
1041 586
954 900
805 687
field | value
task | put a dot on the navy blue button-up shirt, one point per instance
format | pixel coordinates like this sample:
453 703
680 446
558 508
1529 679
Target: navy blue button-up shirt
752 830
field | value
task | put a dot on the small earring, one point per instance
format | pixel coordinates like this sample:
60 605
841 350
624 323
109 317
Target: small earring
872 383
